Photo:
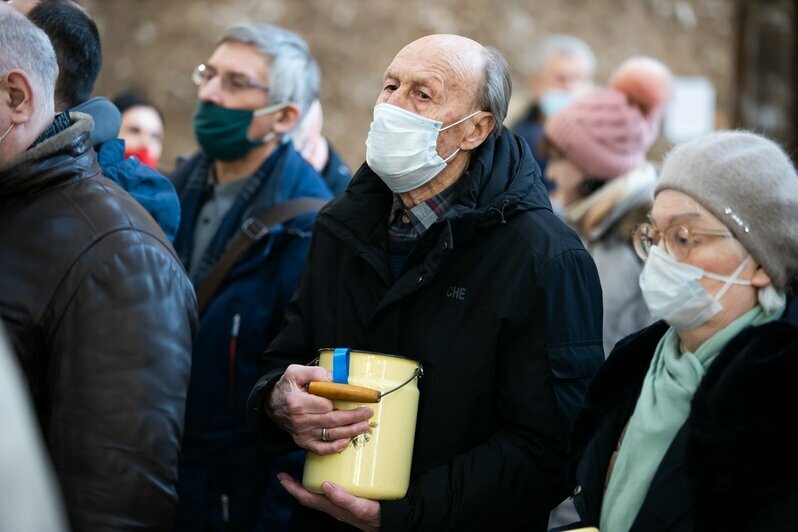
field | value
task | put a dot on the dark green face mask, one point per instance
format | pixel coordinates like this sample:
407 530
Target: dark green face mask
223 133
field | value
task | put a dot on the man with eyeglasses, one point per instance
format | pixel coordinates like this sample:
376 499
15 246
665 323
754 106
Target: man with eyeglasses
244 262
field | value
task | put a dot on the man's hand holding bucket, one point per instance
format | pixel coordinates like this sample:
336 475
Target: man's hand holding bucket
309 419
363 514
316 426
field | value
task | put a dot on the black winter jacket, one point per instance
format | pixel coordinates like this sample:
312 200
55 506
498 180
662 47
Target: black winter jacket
501 304
100 313
732 465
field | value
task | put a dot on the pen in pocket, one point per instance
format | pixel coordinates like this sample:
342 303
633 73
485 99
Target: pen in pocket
231 369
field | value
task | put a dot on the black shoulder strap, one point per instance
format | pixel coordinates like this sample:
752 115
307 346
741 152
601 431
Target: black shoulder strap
252 230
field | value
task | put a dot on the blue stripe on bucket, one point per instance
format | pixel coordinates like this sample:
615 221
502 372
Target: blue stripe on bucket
340 365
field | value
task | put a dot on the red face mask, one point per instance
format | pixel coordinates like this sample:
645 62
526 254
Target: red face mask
144 155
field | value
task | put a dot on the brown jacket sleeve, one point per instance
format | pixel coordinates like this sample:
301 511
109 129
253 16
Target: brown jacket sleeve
127 316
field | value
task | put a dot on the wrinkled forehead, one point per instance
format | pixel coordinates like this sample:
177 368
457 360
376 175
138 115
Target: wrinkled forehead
453 62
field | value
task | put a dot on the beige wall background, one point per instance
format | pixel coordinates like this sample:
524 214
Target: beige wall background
153 45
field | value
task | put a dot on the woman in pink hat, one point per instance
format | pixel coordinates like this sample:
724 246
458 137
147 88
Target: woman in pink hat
604 186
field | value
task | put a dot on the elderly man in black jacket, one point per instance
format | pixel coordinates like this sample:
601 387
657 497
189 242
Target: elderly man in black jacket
444 249
97 306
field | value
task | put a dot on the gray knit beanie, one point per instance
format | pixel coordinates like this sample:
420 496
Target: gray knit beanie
749 184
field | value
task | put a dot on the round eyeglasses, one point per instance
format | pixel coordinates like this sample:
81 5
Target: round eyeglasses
676 240
231 82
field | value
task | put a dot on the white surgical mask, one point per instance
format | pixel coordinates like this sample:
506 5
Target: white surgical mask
672 291
401 147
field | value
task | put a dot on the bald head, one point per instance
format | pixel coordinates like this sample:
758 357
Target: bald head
448 77
463 57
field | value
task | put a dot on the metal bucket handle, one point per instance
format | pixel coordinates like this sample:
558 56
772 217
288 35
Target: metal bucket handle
355 394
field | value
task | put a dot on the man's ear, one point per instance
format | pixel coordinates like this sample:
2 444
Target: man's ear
483 124
287 119
21 98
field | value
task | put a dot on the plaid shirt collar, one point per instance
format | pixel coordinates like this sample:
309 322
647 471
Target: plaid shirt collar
421 217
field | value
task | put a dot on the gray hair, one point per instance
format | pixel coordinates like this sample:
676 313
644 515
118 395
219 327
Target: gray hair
25 47
294 75
494 95
565 45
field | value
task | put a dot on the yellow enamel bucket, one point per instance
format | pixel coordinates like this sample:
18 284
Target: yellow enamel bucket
375 465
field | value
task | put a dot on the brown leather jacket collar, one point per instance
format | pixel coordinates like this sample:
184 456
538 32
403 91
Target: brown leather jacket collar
68 154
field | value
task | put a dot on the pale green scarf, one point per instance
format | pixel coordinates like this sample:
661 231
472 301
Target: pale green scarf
661 410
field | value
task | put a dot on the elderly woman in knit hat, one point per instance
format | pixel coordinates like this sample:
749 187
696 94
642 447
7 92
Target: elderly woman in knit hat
690 424
603 184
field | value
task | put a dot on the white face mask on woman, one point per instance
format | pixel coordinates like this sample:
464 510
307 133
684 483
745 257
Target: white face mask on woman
402 147
672 291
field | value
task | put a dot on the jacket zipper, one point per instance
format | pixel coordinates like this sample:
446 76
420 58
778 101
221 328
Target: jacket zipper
231 368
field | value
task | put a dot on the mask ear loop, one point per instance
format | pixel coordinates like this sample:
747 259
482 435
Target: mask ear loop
270 109
449 158
731 280
7 131
266 111
460 121
268 137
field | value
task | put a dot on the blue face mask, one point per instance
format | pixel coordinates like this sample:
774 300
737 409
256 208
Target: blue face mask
554 100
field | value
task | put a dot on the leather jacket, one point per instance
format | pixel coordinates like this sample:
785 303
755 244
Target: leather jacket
101 315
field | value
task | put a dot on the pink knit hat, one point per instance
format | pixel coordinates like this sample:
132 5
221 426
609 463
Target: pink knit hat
607 132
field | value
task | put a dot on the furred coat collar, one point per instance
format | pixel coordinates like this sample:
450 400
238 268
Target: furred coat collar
67 154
